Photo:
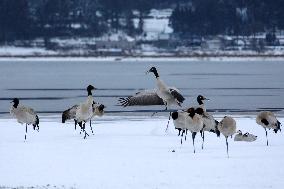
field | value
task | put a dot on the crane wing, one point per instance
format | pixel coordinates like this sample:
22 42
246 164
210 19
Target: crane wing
176 94
143 98
69 114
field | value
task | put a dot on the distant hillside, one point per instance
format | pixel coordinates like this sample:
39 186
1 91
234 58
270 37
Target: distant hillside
30 19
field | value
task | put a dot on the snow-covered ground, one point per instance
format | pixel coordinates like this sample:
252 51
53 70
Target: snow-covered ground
24 51
135 152
143 59
145 52
156 25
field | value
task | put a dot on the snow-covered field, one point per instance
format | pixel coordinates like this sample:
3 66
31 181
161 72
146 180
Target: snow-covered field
143 59
24 51
135 152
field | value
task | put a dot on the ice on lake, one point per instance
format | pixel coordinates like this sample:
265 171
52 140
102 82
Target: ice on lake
53 86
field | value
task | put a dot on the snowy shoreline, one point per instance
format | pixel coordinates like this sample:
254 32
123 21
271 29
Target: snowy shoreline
141 59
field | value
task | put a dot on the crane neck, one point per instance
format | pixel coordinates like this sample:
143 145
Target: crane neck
89 92
191 114
156 74
199 101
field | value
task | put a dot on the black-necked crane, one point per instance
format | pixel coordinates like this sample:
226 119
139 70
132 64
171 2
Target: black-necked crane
210 124
268 120
194 122
162 95
247 137
24 115
227 126
200 99
170 95
82 112
179 119
98 110
70 114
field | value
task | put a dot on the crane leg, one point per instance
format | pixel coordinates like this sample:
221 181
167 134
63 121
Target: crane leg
202 139
266 137
227 146
193 138
26 132
91 127
168 122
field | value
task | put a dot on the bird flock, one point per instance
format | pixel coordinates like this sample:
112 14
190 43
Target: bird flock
192 119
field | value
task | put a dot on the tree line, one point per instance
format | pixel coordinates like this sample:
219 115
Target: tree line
26 19
228 17
29 19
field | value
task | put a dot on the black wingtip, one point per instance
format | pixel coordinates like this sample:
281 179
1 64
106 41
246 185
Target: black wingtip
177 95
279 125
64 117
217 131
37 120
216 122
36 123
174 115
199 111
278 128
101 107
265 122
123 101
181 99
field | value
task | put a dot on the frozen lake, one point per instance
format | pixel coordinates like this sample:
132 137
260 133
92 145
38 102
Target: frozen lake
234 87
